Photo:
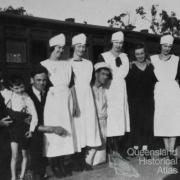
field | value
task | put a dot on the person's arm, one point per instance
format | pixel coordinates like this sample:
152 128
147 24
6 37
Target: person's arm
6 121
34 118
178 72
53 129
45 129
76 110
124 68
4 118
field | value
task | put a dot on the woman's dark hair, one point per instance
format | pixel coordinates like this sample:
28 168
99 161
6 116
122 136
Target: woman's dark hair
140 45
51 49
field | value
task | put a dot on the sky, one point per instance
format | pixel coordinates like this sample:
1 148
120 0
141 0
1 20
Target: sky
95 12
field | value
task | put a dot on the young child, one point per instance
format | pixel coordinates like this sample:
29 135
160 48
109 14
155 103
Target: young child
22 111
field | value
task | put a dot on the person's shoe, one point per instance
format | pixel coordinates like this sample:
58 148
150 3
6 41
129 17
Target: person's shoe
58 173
77 167
146 152
163 155
68 170
125 156
87 167
147 156
171 155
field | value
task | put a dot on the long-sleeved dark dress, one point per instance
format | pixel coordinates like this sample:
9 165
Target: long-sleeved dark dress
140 88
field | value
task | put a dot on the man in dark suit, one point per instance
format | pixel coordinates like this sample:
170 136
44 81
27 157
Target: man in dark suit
37 93
5 152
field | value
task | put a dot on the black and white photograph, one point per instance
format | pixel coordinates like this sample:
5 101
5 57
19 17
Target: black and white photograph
89 90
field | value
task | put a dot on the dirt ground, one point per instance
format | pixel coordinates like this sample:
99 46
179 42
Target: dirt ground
136 168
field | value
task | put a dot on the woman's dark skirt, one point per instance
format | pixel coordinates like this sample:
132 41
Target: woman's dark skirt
141 118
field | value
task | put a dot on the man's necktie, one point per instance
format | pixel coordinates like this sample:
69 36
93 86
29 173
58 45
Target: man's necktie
41 96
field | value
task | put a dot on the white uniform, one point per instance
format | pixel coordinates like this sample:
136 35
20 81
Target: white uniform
86 125
167 97
118 110
57 108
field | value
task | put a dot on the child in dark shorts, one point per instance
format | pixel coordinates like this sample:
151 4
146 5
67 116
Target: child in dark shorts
21 110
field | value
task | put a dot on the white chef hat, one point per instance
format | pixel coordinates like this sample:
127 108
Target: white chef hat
167 39
117 36
101 65
58 40
79 39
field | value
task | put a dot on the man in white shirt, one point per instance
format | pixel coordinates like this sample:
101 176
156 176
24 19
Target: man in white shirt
102 77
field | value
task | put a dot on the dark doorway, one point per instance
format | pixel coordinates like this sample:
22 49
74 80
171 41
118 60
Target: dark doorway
39 51
97 50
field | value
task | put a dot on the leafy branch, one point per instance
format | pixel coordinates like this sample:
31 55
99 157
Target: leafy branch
15 11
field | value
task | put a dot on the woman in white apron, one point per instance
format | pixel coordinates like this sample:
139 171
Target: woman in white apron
166 94
118 111
86 125
57 106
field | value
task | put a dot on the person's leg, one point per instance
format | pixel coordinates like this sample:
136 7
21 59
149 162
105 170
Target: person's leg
14 157
110 147
166 143
172 141
39 168
24 163
149 120
61 165
117 143
56 164
133 123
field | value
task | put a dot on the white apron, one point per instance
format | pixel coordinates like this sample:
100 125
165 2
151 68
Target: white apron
57 108
167 97
86 125
118 111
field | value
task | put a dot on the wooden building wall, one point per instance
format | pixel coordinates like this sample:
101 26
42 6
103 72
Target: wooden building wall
24 40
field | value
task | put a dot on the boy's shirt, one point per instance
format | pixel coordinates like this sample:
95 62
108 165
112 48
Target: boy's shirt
21 103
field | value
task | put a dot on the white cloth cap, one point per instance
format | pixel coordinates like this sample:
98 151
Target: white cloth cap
117 36
58 40
101 65
167 39
79 39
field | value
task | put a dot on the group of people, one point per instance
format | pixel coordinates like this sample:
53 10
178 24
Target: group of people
74 112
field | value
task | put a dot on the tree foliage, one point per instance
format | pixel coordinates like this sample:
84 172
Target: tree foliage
117 21
160 22
15 11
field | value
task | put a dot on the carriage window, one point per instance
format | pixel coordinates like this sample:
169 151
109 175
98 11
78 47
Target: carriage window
15 51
